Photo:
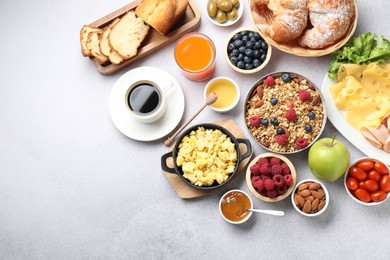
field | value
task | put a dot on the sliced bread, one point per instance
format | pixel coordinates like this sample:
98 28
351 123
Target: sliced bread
84 32
105 47
93 46
127 35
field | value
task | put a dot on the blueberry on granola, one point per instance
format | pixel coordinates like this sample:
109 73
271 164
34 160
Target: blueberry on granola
280 131
286 77
308 128
274 121
264 121
312 115
274 101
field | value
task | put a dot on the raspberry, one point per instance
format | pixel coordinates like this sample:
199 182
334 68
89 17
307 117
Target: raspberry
255 178
269 81
301 142
288 179
274 160
269 184
276 169
259 185
255 121
278 180
291 115
272 193
304 95
262 160
282 189
265 169
255 169
281 139
265 177
263 193
285 168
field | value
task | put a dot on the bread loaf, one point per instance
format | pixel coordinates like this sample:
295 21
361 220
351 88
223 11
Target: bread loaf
158 13
105 47
127 35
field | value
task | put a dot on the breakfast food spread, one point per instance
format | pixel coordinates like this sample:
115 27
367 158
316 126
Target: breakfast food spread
206 156
315 24
284 113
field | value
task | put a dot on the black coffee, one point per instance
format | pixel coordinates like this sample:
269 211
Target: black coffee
144 98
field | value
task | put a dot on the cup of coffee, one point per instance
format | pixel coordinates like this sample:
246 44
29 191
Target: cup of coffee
146 100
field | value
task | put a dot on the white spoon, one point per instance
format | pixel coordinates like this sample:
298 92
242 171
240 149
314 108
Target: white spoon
270 212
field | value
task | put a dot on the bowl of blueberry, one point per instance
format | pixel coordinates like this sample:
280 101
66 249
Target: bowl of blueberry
285 112
246 51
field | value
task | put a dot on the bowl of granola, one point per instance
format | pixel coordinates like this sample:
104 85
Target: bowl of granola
284 112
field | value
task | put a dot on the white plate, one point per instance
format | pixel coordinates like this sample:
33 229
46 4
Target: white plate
336 116
228 22
140 131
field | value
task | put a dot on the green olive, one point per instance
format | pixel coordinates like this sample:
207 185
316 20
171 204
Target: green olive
236 3
225 6
212 8
221 16
232 14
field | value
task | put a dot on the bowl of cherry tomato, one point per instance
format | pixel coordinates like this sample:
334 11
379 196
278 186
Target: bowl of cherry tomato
367 181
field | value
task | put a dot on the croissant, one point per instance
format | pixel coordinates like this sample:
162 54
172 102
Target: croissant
330 20
289 18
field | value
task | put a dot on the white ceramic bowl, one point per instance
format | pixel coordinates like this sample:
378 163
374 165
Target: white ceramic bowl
223 200
371 203
219 92
310 214
228 22
243 71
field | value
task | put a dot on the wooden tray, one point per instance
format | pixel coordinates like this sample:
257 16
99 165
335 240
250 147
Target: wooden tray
153 41
261 24
184 190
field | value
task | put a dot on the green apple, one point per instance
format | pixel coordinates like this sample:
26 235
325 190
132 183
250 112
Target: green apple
328 159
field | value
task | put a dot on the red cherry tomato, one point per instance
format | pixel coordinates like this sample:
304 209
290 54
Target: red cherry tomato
362 195
352 183
378 195
374 175
385 183
381 168
366 165
361 184
371 185
357 173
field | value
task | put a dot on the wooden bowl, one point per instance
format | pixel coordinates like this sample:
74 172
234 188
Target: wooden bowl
256 193
294 48
243 71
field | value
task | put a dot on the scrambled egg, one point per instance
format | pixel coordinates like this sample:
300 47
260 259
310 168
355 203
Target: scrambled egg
205 156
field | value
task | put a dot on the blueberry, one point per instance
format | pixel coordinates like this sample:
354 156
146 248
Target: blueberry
247 59
286 77
240 56
264 45
249 45
308 128
274 121
248 66
274 101
256 54
263 57
264 121
245 38
249 53
244 33
237 36
250 34
234 60
312 115
238 43
257 36
242 49
280 131
240 64
231 46
233 53
256 63
257 46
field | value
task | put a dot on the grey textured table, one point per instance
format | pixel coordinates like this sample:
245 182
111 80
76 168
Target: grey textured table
74 187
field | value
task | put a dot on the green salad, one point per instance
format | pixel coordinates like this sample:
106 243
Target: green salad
363 49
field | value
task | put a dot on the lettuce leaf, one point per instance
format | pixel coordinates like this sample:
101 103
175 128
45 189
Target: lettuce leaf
363 49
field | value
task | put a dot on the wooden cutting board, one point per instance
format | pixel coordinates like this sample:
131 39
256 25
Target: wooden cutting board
184 190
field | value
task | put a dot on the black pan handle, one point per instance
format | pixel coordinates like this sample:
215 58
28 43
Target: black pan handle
164 165
248 147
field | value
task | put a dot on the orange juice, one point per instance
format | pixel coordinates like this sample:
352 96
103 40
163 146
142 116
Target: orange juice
225 91
195 55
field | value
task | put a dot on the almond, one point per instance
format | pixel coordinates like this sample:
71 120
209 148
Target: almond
321 205
289 103
314 204
300 201
304 193
259 103
307 207
321 191
311 198
316 194
316 100
314 186
265 144
259 91
303 186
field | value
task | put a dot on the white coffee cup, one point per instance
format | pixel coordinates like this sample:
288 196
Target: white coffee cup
146 100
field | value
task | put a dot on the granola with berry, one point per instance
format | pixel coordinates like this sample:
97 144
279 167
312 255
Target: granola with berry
285 112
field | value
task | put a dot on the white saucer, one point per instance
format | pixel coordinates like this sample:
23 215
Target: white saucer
141 131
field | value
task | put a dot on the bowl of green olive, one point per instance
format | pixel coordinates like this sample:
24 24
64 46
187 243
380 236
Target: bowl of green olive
224 12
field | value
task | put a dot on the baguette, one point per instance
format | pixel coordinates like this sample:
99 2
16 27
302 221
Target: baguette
127 35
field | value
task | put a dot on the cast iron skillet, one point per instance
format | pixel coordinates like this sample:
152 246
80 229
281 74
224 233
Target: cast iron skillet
177 170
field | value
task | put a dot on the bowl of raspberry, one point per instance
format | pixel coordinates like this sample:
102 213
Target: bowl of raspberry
284 112
271 177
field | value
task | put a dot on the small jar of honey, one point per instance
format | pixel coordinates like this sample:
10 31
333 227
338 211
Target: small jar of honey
233 206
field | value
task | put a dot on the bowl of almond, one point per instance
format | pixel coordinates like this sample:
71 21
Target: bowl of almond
284 112
310 197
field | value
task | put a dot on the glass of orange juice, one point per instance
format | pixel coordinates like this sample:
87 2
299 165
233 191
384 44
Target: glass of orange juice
195 55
